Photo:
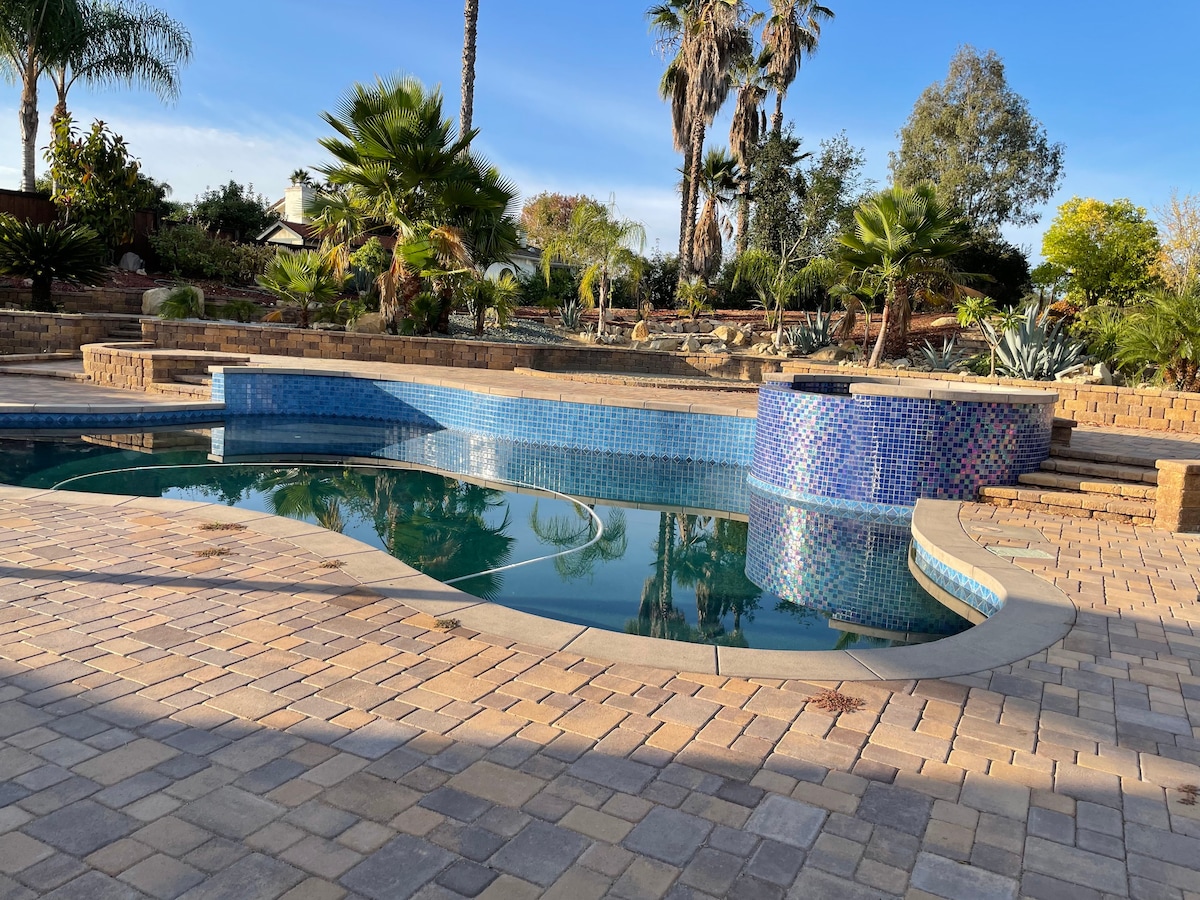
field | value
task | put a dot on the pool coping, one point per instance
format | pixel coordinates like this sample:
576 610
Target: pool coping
1035 614
920 388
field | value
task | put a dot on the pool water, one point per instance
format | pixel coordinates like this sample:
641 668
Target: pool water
668 558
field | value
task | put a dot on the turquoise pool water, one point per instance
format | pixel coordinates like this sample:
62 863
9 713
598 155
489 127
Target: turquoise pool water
656 547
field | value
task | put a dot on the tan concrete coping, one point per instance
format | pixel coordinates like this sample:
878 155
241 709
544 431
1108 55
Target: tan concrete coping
111 407
1035 614
922 389
499 390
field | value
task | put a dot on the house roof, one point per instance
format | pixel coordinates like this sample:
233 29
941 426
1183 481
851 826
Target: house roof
304 232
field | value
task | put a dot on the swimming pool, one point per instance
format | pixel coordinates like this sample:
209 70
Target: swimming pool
627 543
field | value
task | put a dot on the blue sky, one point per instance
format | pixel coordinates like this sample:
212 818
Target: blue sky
566 92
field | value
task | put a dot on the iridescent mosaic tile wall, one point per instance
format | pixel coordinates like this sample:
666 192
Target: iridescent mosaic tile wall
581 426
814 440
799 553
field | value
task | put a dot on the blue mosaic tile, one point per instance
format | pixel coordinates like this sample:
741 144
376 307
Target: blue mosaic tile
798 551
956 583
892 450
654 434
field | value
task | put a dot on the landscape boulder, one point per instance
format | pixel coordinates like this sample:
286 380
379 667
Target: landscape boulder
369 323
725 333
641 332
691 345
830 354
152 300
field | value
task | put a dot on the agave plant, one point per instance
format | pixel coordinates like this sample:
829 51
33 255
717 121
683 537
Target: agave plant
48 253
815 332
942 360
571 312
1033 348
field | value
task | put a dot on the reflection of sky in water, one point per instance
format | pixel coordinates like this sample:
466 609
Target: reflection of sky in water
665 574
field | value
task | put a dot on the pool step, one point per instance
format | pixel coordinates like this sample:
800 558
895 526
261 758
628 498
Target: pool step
183 391
1104 470
205 380
1063 453
1088 485
1102 506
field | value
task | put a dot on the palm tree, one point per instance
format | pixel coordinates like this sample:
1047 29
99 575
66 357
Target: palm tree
901 234
484 293
471 27
1163 333
708 37
47 253
604 247
400 169
974 312
750 84
778 281
566 533
791 33
34 36
121 42
718 183
306 280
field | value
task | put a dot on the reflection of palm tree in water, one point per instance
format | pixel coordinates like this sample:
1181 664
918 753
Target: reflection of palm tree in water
439 526
709 555
567 532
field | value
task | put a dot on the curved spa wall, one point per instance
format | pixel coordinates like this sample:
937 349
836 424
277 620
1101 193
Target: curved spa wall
877 442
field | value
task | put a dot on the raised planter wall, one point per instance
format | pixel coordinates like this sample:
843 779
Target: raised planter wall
31 332
294 342
136 366
90 300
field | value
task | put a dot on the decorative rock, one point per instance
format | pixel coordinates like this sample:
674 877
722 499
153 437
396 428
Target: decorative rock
944 322
131 262
900 364
830 354
741 339
691 327
641 332
717 347
369 323
1103 372
724 333
691 345
328 326
668 344
706 327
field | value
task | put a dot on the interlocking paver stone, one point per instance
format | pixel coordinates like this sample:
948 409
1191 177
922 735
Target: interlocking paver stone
252 876
895 807
620 774
786 821
948 878
540 853
163 877
231 812
82 827
668 835
398 869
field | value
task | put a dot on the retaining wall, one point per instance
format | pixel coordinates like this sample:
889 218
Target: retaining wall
88 300
31 332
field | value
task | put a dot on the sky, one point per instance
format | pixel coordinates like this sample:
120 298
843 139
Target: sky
566 92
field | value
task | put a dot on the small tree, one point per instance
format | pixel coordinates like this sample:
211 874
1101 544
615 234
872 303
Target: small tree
546 215
95 182
1179 228
1107 250
48 253
602 246
974 312
499 294
234 211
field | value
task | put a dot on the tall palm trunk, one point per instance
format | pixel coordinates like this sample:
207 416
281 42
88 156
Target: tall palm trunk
59 78
468 66
29 122
692 187
777 116
685 192
743 221
601 302
884 323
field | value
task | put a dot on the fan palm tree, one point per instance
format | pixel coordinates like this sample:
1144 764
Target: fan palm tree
34 36
792 32
718 184
47 253
484 293
1163 333
119 42
400 169
306 280
470 30
750 85
707 37
901 234
602 246
565 533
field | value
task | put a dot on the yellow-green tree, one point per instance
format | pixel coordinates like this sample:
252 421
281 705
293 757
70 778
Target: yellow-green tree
1108 250
1179 228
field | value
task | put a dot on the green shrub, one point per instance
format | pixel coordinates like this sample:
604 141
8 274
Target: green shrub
189 251
45 253
184 302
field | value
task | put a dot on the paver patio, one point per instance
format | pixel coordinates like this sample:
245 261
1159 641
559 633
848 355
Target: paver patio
255 724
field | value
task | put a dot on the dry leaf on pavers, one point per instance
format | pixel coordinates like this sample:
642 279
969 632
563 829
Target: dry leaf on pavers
835 702
332 564
212 551
222 526
1190 793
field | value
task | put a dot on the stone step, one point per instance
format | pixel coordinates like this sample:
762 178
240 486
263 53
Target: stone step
1107 471
183 391
1072 503
205 380
1083 484
1058 451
